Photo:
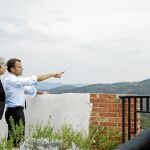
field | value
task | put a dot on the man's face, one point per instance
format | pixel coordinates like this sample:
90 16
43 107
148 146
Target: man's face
2 69
17 70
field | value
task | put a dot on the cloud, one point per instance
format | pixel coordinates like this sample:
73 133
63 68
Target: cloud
61 19
19 30
94 41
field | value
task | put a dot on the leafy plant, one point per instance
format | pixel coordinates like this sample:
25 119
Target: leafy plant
103 138
45 138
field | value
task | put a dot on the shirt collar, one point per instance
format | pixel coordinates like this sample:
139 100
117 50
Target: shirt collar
10 74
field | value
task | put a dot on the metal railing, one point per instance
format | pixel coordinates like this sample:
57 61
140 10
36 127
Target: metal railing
144 102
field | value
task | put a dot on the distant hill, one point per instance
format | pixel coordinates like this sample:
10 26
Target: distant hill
48 85
141 88
62 89
51 85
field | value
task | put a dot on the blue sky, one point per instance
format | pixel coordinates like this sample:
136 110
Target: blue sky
94 41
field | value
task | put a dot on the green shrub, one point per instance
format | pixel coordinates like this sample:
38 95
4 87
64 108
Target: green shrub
17 135
65 138
102 138
5 145
65 133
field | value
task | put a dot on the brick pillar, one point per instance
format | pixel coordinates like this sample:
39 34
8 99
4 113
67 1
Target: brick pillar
107 112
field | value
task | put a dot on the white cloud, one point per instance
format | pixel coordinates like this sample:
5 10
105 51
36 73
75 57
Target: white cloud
94 41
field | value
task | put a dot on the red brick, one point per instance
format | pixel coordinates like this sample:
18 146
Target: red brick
108 123
94 100
93 119
103 109
108 114
95 104
95 114
102 100
113 109
107 105
95 109
111 100
113 96
115 119
94 122
120 105
93 95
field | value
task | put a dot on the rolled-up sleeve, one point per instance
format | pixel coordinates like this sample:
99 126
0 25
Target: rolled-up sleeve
30 90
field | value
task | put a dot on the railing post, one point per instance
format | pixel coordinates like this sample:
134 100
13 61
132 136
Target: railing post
141 104
123 120
132 122
135 116
147 103
129 120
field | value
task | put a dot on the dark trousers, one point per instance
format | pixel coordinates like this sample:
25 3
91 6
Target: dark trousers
17 115
2 107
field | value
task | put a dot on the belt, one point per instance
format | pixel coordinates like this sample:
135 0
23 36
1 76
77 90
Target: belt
13 108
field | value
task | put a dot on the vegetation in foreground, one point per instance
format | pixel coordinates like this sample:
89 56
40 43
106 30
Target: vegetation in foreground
45 138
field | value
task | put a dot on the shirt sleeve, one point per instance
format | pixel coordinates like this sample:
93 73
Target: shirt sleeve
30 90
18 82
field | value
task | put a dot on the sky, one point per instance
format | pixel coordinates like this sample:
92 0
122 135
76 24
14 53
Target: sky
93 41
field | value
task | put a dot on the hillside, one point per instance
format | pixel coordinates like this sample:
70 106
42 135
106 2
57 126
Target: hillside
142 88
48 85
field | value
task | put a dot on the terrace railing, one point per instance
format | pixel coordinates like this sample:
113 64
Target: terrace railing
144 107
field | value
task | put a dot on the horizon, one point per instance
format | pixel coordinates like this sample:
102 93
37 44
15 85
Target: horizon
91 83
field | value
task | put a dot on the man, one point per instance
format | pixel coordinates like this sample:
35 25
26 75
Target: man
2 93
16 87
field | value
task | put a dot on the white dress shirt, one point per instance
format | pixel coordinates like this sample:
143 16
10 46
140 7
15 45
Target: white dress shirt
16 88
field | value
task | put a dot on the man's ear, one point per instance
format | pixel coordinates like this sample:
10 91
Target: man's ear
12 69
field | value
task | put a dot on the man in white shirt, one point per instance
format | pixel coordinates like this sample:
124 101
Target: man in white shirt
2 93
16 87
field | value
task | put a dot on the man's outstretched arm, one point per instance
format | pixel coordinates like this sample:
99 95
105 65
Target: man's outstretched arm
47 76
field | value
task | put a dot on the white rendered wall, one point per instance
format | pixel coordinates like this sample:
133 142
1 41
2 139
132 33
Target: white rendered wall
72 109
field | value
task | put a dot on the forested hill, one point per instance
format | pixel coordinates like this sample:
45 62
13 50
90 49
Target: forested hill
142 88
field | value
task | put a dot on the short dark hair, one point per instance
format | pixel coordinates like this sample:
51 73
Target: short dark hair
11 63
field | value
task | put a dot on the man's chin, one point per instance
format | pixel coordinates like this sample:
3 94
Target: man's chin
1 73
